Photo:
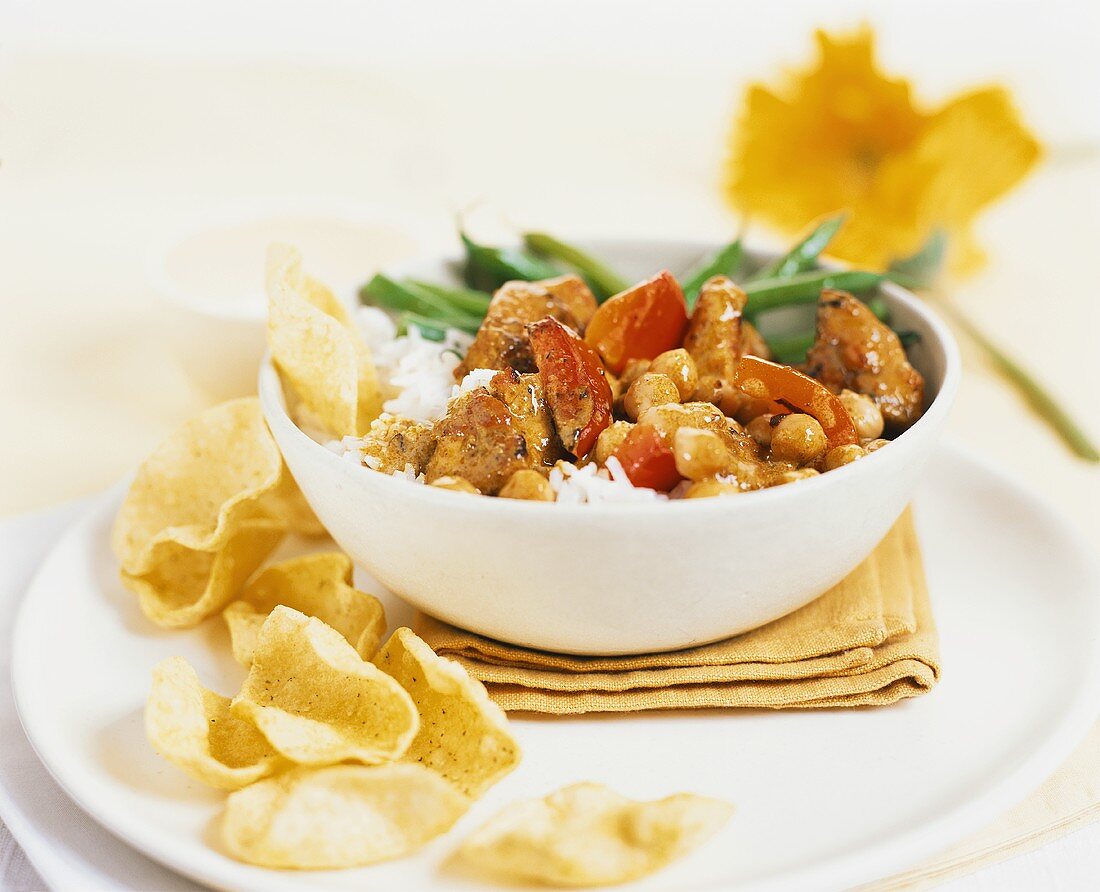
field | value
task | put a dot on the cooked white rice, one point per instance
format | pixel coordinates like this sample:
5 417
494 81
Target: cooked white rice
417 377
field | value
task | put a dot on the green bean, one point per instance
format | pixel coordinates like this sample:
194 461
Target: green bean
805 288
603 281
905 280
488 268
803 255
791 349
878 306
432 328
466 299
385 292
724 262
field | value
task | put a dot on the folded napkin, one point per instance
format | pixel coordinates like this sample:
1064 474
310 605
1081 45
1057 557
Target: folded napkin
868 641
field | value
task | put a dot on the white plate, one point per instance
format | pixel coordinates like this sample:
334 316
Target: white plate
825 799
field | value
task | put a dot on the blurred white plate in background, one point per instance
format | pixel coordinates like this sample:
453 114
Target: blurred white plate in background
210 279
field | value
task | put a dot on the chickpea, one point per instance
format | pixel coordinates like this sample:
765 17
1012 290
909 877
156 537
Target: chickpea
455 484
705 489
527 484
839 456
648 391
760 429
870 446
610 439
633 370
798 438
680 367
699 453
865 415
672 416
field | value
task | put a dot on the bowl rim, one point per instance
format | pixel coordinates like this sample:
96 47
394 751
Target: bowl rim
274 409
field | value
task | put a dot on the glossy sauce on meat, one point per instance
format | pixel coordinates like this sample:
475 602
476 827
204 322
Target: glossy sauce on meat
524 397
501 341
854 349
478 441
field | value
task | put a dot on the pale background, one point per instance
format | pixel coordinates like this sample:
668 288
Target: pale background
120 123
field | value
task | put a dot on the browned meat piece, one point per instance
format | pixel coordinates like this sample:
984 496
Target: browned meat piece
714 334
574 294
392 443
501 342
854 349
478 440
524 397
715 339
752 342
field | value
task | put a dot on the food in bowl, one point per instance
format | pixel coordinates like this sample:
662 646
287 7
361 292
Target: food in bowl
649 395
735 564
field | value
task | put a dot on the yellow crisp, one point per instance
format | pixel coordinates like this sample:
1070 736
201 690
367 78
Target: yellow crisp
317 350
286 504
340 816
842 135
317 585
463 734
318 701
185 586
588 835
198 485
195 523
193 728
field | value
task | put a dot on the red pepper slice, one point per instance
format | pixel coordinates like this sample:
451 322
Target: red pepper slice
647 459
577 390
639 323
793 391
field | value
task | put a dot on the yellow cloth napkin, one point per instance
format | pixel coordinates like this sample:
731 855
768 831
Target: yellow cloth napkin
868 641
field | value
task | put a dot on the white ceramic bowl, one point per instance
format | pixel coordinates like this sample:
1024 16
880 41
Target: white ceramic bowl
622 578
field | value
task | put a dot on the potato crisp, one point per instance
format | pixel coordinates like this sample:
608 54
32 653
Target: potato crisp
194 729
319 354
317 585
318 701
588 835
463 734
196 523
340 816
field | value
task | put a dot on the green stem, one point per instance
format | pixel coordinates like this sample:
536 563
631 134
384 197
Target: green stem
601 279
1036 395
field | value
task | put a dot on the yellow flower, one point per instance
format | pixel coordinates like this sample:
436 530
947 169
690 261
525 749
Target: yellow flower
842 135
